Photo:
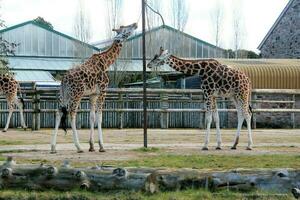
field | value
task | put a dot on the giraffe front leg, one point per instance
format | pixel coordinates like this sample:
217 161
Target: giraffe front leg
75 134
217 121
208 116
54 133
92 124
101 100
100 134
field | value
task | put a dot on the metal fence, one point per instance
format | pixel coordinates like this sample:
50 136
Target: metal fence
167 108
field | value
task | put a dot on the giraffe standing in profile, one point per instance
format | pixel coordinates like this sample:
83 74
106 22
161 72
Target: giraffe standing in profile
9 87
217 80
90 78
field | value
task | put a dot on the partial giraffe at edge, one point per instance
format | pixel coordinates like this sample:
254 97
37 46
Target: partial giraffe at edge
217 81
88 79
9 88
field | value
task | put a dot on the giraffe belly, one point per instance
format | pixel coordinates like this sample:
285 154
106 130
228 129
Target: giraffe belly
90 91
93 91
222 93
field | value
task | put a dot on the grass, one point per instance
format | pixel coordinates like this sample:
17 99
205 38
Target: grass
129 195
149 149
214 161
9 142
211 162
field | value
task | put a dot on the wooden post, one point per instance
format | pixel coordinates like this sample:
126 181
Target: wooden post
293 114
38 112
33 126
254 105
36 116
121 114
164 115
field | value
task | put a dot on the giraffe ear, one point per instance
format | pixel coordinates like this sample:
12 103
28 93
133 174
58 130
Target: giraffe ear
161 50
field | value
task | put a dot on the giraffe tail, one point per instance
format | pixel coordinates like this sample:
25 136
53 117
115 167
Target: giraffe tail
64 119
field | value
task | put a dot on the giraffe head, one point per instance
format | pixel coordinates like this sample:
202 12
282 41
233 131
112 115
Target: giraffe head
159 59
124 32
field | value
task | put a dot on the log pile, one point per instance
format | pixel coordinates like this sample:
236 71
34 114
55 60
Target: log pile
44 177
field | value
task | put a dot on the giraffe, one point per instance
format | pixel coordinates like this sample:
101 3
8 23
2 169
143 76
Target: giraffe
89 78
9 87
217 81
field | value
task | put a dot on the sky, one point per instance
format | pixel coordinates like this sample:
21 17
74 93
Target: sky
257 17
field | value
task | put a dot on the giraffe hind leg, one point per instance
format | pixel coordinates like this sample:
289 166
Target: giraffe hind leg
10 103
247 116
54 133
20 103
240 122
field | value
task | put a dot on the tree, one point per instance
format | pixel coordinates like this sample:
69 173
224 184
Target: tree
217 21
43 22
179 14
237 27
82 29
114 20
6 48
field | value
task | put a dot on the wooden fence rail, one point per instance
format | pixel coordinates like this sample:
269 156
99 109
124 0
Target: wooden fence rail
168 108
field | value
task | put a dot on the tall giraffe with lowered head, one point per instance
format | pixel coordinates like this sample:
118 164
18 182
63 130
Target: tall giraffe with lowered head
217 80
90 78
9 87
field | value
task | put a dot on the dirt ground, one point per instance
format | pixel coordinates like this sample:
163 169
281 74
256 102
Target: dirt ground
121 144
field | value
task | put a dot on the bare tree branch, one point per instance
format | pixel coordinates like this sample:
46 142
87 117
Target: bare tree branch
82 29
179 14
217 21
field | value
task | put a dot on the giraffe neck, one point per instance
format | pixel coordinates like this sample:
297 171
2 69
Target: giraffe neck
112 53
191 67
109 56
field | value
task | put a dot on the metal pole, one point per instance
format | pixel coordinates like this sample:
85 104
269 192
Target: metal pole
144 75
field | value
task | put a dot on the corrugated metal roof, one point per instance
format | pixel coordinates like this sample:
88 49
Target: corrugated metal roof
33 76
63 64
48 29
38 63
269 73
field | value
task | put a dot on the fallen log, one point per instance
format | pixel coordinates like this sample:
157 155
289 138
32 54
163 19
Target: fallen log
65 177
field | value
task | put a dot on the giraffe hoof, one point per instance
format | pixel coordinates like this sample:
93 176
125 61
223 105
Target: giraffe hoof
218 148
80 151
204 149
53 152
233 148
102 150
249 148
91 150
4 131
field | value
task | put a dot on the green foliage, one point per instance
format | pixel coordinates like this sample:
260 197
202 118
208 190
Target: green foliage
6 48
242 53
43 22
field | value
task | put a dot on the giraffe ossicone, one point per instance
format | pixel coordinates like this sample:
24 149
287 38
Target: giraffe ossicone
218 80
9 87
88 79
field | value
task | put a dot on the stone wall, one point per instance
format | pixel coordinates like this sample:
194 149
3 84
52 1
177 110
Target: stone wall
284 41
272 120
